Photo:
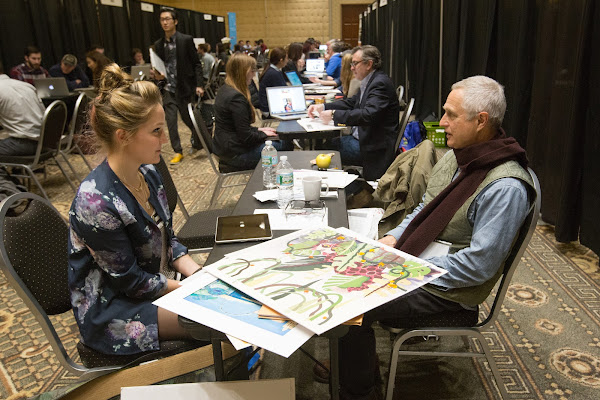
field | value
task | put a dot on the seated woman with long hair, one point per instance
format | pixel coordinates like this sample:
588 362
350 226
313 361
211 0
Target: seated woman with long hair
121 232
237 143
296 61
271 76
96 62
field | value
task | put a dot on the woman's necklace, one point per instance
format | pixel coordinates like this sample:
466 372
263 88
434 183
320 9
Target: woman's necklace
141 193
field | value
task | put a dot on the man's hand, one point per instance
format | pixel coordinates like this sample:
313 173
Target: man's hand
313 79
156 75
315 108
78 81
199 92
388 240
326 116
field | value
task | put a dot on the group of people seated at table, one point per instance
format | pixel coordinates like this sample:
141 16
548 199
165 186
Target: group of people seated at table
121 234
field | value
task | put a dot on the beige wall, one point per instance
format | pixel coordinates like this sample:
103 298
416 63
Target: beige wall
278 22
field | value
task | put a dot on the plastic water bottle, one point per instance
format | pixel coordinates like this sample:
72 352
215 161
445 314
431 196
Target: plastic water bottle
269 163
285 183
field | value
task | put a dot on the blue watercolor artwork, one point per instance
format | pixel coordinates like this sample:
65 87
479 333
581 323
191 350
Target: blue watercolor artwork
224 299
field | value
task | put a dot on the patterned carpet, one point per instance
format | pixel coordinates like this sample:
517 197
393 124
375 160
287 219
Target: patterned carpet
547 341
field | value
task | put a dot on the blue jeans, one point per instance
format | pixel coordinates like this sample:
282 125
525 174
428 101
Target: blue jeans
349 149
249 159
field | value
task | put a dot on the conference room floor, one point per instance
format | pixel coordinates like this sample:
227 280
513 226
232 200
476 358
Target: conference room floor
545 314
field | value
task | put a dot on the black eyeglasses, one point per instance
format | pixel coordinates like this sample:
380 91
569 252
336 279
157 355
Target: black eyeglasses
165 19
355 63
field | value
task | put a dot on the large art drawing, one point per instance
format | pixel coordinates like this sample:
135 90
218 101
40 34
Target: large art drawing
323 277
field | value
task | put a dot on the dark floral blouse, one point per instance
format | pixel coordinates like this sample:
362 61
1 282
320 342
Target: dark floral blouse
114 260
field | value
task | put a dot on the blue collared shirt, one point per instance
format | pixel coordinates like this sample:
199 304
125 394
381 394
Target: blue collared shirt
496 214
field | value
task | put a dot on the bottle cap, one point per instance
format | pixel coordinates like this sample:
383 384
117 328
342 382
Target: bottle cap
268 142
283 158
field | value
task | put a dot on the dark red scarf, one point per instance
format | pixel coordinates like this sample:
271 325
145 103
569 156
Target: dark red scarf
475 162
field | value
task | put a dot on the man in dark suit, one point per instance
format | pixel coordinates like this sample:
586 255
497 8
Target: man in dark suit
182 81
372 113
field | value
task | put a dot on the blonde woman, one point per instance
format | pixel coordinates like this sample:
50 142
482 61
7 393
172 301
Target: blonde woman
237 143
121 228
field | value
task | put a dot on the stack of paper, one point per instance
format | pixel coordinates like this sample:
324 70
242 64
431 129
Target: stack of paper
316 125
337 179
318 278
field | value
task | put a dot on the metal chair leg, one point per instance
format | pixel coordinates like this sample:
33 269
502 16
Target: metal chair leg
39 185
218 360
216 191
65 174
493 367
64 156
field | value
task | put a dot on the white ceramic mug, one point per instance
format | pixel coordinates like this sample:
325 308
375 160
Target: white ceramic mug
312 188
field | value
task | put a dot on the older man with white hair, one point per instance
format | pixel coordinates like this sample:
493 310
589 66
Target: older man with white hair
477 198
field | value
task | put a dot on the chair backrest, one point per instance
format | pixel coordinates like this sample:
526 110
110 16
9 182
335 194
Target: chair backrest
404 122
79 118
514 257
168 184
33 246
214 73
204 135
400 93
53 124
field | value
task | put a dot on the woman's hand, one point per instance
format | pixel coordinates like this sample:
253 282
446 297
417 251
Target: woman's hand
268 131
186 265
388 240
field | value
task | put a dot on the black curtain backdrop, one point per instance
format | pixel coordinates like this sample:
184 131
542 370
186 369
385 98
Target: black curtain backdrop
58 27
544 53
115 33
590 195
80 19
144 27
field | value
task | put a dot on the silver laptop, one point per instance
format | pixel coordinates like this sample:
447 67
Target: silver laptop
51 87
141 72
315 65
286 102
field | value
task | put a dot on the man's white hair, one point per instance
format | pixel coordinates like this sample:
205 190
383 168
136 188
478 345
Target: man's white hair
481 93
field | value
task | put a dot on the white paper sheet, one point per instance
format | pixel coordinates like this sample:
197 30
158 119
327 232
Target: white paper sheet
335 179
210 302
365 221
157 63
316 125
271 194
323 277
279 221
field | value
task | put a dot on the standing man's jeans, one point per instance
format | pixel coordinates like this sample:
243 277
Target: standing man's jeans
172 104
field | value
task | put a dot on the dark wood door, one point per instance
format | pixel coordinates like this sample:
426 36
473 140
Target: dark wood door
350 14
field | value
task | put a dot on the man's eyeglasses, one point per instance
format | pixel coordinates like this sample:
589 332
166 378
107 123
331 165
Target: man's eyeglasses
166 19
355 63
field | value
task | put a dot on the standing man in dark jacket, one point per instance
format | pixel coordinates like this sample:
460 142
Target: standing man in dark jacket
372 113
183 80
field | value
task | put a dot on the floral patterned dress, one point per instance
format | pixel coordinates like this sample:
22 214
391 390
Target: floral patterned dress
114 260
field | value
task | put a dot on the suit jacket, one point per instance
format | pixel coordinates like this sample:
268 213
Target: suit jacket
377 119
233 133
189 68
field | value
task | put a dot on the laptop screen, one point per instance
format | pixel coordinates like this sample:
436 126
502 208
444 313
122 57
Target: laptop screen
315 65
51 87
286 99
293 78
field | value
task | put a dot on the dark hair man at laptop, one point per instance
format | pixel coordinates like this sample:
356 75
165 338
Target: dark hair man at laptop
32 67
183 79
477 198
69 70
372 113
21 113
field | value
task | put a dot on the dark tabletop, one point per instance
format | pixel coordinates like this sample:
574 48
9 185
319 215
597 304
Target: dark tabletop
338 215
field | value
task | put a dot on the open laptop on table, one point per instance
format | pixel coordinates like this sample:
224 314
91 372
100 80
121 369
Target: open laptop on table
141 72
294 78
315 67
51 87
286 102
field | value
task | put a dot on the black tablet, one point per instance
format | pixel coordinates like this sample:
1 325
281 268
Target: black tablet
243 228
